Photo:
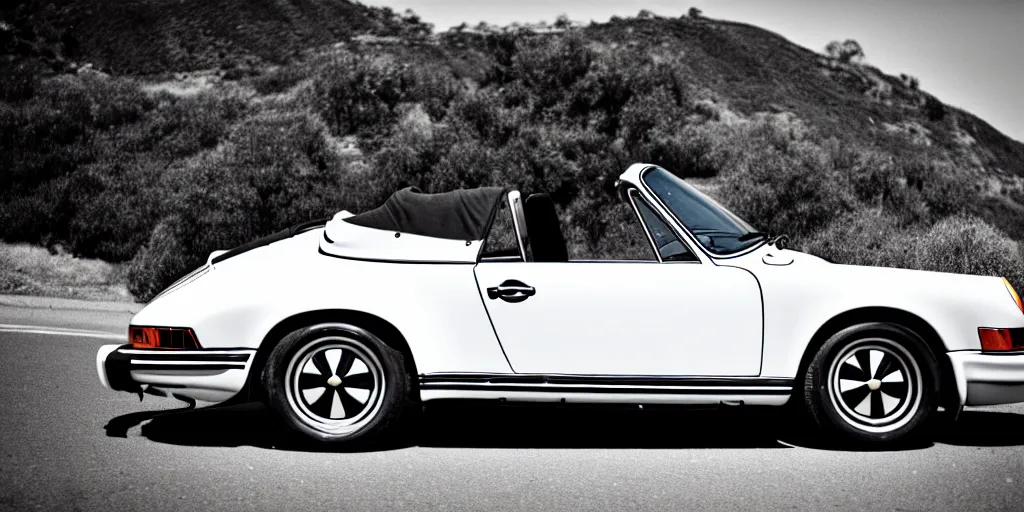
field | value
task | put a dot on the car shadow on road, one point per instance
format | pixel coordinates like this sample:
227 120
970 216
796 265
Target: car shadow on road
464 426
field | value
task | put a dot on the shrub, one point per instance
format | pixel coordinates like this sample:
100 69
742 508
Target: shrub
182 126
934 109
870 236
795 192
95 101
910 82
958 244
359 94
114 203
280 79
848 51
968 245
694 13
274 170
599 227
160 262
549 65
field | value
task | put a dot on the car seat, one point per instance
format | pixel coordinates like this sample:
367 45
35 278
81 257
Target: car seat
544 229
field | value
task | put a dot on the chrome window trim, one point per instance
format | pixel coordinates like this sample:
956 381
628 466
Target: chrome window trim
631 195
679 225
515 204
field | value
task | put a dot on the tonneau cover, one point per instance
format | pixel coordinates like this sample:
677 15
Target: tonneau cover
457 215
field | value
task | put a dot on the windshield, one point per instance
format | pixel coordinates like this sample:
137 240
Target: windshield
717 229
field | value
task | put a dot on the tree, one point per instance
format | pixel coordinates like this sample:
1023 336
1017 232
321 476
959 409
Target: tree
563 22
644 14
848 51
695 13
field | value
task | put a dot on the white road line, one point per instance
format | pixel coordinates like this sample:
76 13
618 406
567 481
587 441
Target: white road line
61 331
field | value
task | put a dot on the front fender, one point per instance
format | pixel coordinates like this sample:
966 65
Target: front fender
801 297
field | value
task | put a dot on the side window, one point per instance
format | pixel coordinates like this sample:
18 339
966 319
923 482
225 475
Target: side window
665 241
501 244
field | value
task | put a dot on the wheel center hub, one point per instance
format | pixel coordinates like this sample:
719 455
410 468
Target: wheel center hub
873 384
335 380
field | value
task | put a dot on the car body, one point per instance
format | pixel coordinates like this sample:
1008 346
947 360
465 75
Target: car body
720 314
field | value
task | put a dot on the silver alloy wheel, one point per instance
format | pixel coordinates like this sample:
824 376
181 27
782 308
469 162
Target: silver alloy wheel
335 384
875 385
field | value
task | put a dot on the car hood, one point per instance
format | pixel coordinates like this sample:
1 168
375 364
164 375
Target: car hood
769 259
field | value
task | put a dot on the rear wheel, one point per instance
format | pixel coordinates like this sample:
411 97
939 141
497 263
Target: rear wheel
872 383
337 383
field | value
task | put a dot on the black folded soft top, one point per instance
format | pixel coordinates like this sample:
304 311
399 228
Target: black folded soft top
458 215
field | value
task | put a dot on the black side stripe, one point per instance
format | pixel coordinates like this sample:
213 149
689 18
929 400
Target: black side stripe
171 356
619 390
162 367
613 380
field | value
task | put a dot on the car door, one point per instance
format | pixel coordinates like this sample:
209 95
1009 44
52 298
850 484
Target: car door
673 316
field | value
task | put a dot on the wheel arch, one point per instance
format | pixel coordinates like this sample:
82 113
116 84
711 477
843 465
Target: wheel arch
947 384
380 327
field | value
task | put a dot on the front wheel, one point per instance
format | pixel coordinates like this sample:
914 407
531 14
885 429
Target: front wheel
337 383
872 383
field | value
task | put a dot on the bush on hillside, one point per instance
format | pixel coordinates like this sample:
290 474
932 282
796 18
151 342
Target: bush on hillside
848 51
360 95
160 262
957 244
280 79
112 206
780 180
274 171
910 82
934 109
968 245
548 67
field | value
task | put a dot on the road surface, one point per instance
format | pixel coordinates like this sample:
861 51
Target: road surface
66 443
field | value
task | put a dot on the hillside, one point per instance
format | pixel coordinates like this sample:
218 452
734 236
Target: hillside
158 167
157 36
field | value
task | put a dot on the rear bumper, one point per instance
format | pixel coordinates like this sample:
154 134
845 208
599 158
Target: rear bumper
208 375
988 379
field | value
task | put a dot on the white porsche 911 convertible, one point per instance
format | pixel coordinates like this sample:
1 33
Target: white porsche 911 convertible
342 326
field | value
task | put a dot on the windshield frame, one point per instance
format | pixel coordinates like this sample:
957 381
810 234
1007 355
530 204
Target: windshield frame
754 243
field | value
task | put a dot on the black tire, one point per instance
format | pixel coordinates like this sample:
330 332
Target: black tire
873 384
360 414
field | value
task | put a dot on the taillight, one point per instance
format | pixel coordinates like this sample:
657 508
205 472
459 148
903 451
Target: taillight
1001 340
1013 293
163 337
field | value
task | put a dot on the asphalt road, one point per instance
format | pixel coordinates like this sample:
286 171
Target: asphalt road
67 443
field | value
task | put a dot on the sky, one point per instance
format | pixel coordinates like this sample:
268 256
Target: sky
968 53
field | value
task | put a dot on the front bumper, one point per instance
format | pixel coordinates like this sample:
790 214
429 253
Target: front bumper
987 378
209 375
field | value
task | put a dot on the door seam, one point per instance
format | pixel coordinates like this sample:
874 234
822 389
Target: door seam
490 320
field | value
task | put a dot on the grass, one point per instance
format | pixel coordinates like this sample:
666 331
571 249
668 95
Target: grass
29 270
